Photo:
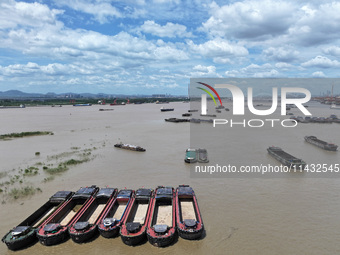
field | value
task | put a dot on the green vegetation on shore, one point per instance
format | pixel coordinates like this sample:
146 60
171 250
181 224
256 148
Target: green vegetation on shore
23 134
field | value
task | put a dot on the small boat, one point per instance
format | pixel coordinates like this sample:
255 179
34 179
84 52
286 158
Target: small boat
186 114
133 229
54 229
102 110
321 144
208 115
286 159
85 226
25 233
188 216
202 156
176 120
129 147
190 156
162 225
166 109
334 106
115 214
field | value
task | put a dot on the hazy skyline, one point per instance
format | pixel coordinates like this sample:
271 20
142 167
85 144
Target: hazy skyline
149 47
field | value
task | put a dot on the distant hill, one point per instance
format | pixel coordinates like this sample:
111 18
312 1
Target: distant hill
17 94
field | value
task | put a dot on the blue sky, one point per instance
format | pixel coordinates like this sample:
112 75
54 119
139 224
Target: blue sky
156 46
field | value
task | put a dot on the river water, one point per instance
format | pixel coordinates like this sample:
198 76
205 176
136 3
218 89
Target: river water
245 215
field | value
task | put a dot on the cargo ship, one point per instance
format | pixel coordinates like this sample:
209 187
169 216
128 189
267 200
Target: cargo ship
322 144
129 147
167 109
286 159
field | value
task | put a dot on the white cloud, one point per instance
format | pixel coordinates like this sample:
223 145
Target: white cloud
101 11
283 65
218 48
170 53
318 74
249 19
271 73
26 14
281 54
168 30
321 62
316 25
166 1
254 70
201 71
332 50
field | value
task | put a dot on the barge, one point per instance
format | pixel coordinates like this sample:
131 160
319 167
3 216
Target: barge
162 225
190 156
188 217
25 233
286 159
129 147
202 156
115 214
176 120
133 229
167 109
321 144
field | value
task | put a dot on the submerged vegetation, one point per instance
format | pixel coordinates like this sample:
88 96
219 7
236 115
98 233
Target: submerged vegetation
23 134
23 192
14 184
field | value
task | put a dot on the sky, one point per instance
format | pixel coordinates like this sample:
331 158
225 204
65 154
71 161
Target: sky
156 46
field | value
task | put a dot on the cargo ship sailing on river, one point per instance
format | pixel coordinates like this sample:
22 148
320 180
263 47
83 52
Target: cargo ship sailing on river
129 147
286 159
322 144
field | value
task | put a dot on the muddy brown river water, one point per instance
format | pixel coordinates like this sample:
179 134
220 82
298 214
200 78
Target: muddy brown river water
241 215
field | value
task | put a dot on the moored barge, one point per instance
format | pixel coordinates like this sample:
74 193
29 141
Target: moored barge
162 225
188 217
133 229
54 229
190 156
286 159
321 144
202 156
115 214
25 233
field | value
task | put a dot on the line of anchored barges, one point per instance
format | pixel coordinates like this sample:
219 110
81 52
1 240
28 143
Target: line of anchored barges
156 215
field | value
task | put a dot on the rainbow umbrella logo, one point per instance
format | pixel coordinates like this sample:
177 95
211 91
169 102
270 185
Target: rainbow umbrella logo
209 93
